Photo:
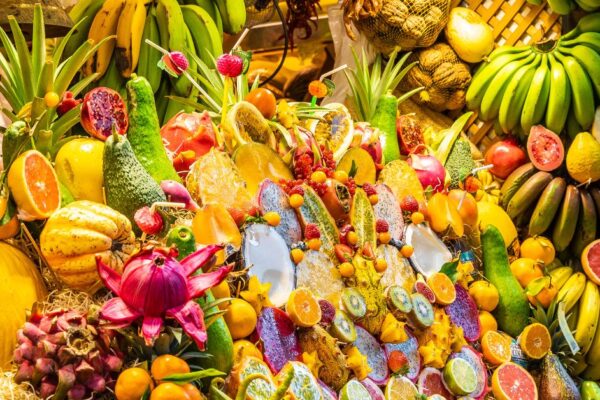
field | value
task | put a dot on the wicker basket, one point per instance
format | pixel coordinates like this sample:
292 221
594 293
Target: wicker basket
513 22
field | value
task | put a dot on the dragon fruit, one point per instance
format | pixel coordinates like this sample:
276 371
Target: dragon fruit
156 271
65 353
431 382
388 209
410 348
370 347
271 197
463 312
280 343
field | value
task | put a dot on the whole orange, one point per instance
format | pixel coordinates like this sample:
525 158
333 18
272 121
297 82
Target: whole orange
526 270
166 365
132 383
169 391
192 392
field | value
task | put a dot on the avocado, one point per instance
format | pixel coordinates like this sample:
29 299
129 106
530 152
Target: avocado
144 131
183 239
512 313
590 390
460 162
219 345
127 185
555 381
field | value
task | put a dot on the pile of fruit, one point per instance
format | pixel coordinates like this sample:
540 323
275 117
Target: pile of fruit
267 249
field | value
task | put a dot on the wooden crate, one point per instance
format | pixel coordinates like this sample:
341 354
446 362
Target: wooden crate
514 22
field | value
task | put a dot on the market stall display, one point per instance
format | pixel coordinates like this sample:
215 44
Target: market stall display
172 230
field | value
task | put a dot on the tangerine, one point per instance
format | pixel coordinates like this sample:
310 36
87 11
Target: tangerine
244 348
545 296
166 365
169 391
132 383
443 288
538 248
526 270
535 341
192 392
303 308
487 322
241 318
485 294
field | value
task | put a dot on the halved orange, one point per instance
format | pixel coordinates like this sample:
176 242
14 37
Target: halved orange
303 308
443 288
34 186
495 347
535 341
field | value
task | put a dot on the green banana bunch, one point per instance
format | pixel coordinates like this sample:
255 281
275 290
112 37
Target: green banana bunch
559 98
583 93
233 14
537 96
587 321
205 33
149 56
82 14
211 8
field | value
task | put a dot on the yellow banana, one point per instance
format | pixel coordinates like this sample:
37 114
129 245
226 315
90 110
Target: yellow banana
104 25
592 372
588 316
560 276
593 355
572 290
129 36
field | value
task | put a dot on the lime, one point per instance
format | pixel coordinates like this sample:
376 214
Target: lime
460 377
400 387
353 390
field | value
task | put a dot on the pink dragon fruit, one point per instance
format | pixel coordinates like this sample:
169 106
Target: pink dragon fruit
154 285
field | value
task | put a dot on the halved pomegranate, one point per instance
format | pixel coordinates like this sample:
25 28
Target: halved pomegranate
410 135
103 109
545 149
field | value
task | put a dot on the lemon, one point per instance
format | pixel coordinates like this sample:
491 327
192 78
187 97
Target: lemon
240 318
583 158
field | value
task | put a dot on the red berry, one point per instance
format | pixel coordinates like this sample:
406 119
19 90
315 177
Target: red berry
296 190
150 222
369 189
230 65
410 204
382 226
179 60
67 103
311 231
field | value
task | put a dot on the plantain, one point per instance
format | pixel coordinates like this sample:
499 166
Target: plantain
547 206
587 224
514 182
528 193
564 227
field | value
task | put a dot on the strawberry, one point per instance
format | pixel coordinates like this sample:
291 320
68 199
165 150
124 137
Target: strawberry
409 204
381 226
230 65
397 362
149 222
369 189
311 231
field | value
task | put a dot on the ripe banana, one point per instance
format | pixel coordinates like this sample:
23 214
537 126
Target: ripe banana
537 96
490 103
592 372
83 12
559 98
515 95
486 74
104 25
528 193
205 33
514 181
587 224
587 321
129 36
583 94
564 226
589 60
547 206
233 14
593 355
149 56
572 290
559 276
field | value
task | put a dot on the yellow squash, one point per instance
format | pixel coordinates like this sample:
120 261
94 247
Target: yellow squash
77 233
20 286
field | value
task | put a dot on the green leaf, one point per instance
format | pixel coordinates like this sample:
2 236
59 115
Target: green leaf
38 45
82 84
24 56
451 270
353 169
447 137
537 285
14 64
63 124
193 376
146 395
10 212
60 47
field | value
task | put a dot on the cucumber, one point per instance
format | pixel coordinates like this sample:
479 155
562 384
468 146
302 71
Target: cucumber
512 312
384 118
183 239
127 185
144 131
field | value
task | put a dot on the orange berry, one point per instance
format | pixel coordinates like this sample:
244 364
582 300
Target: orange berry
314 244
417 218
296 200
318 177
352 238
272 218
407 250
380 265
384 237
341 176
51 99
346 269
373 199
297 255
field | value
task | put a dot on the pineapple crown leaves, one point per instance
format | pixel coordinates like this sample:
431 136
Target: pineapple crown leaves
369 85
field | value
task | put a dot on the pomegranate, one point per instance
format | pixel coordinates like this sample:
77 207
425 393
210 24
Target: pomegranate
187 137
506 156
410 135
103 109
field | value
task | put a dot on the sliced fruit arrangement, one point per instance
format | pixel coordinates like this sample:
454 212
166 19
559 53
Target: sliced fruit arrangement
522 86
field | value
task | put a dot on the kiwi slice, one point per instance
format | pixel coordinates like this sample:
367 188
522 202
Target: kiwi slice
354 303
342 328
398 299
422 310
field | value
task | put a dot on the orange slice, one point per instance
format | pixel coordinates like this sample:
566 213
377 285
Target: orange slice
303 308
34 186
496 347
535 341
443 288
511 381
